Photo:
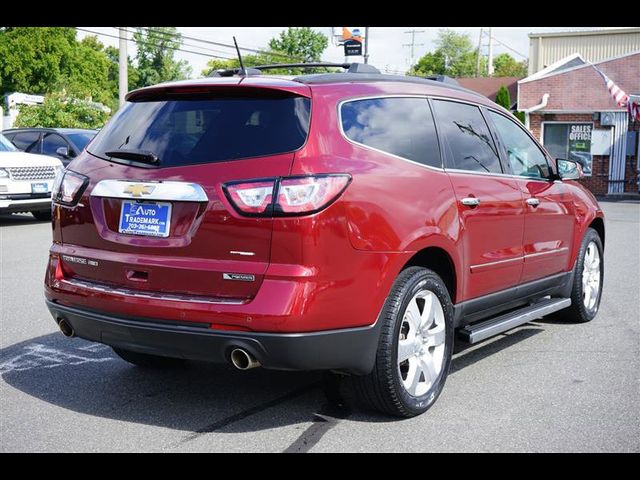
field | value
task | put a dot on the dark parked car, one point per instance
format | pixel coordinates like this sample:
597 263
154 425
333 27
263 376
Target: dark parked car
64 143
344 221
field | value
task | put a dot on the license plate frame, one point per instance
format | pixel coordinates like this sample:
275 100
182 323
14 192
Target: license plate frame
141 228
40 188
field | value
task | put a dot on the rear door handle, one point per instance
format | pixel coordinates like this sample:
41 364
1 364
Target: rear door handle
534 202
470 201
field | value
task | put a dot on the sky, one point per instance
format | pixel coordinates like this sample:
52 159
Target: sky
386 44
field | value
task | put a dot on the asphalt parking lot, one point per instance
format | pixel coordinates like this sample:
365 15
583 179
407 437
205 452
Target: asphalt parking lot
546 386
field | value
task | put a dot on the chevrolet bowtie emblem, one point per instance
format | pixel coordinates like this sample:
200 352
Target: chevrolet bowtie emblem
139 189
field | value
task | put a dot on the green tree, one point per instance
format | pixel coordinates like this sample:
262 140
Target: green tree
454 56
113 76
507 66
263 58
156 48
519 116
88 73
503 97
61 110
303 44
295 45
42 60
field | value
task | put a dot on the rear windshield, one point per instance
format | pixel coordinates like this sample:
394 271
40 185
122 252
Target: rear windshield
199 130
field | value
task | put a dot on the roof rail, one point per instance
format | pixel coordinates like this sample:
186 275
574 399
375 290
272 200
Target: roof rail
350 67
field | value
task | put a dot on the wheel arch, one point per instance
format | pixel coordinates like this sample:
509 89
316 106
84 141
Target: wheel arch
441 262
598 225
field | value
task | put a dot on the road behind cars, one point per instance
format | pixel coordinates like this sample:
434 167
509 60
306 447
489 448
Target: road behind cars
546 386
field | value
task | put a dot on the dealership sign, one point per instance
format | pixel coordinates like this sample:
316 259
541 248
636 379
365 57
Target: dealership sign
580 146
352 41
352 47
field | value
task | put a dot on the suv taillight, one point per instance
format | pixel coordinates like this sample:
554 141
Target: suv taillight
286 196
68 188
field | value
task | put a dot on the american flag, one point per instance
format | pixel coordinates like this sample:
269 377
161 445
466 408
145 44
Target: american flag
616 92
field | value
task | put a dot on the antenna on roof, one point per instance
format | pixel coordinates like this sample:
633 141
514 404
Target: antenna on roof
242 70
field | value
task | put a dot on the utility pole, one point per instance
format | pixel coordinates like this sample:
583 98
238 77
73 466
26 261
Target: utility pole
366 44
123 86
490 62
413 43
479 54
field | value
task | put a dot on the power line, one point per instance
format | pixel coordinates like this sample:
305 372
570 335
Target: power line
508 47
177 37
211 42
275 53
149 43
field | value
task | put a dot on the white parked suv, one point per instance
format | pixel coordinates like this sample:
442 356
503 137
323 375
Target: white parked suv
26 181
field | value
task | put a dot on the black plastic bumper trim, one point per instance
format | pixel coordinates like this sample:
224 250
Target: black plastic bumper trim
352 350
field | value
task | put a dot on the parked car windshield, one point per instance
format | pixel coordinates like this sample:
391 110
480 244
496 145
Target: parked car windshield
6 145
80 139
207 129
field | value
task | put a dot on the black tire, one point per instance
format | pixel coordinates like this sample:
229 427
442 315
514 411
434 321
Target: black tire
382 389
42 215
148 361
577 312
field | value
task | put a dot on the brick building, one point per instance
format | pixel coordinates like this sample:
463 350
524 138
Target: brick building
569 108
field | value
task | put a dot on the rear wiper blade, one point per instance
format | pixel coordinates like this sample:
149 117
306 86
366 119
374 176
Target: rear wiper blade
144 156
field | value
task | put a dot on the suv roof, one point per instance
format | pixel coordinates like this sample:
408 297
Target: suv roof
356 73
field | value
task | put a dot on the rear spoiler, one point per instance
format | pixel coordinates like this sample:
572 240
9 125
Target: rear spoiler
235 88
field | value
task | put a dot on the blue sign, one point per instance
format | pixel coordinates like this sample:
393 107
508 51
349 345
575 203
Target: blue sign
145 218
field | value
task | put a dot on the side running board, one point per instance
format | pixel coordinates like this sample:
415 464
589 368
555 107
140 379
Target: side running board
480 331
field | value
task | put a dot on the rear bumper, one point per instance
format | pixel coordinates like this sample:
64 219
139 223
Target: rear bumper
351 350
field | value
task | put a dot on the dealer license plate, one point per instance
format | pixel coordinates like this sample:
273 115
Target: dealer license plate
152 219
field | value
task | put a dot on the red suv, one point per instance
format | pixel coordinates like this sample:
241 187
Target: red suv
341 221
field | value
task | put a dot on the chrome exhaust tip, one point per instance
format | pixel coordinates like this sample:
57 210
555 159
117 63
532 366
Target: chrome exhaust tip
243 360
65 328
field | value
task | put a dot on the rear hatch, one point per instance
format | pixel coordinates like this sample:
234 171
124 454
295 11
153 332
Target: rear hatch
154 216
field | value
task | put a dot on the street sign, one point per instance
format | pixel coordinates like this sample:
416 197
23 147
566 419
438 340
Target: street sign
352 48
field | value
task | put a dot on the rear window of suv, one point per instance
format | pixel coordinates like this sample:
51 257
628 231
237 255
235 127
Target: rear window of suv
197 129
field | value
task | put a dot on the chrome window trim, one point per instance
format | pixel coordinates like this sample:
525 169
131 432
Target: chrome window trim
97 287
163 190
508 175
426 97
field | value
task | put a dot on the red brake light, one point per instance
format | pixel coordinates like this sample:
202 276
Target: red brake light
298 195
253 198
309 194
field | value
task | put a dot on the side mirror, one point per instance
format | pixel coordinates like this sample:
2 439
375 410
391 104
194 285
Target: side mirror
63 151
568 169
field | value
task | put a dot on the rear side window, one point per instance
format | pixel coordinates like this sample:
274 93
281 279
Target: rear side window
27 141
199 130
466 138
400 126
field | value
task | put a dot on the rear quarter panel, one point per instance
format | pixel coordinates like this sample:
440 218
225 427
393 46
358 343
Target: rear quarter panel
392 205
